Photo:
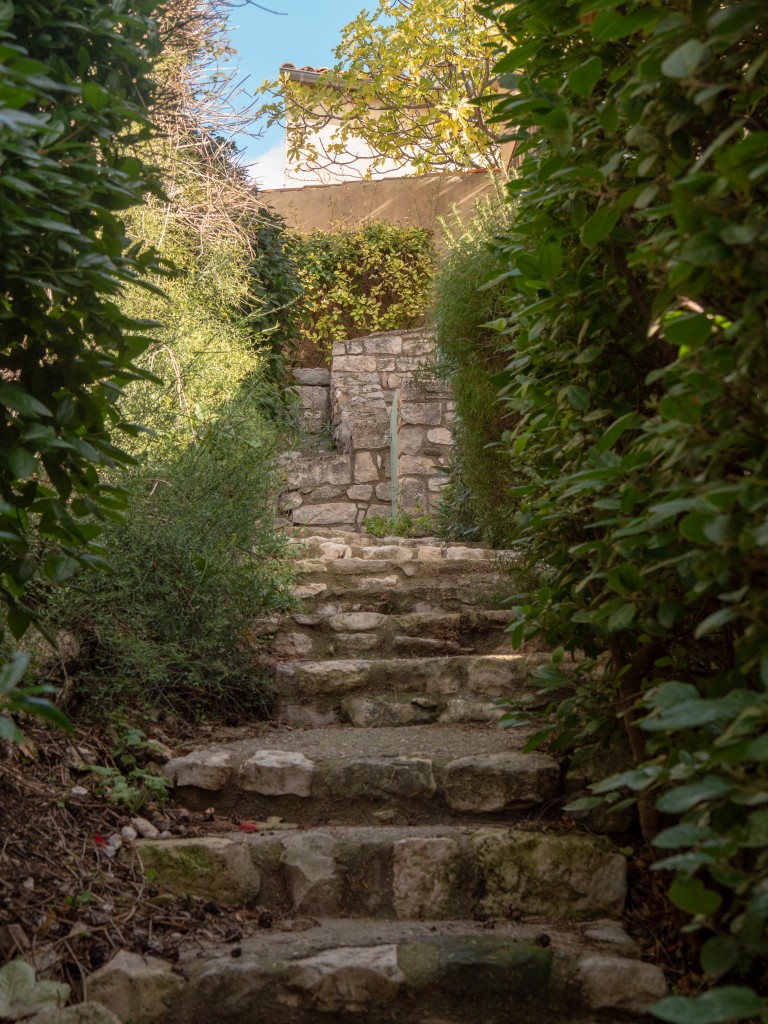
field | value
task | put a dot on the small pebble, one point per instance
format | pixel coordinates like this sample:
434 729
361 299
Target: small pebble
165 835
129 833
115 841
28 884
145 828
78 791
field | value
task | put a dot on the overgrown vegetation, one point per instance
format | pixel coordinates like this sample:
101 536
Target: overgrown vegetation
638 379
357 281
469 297
74 92
404 524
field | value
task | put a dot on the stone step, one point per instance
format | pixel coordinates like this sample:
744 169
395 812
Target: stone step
320 687
379 972
404 873
413 774
393 591
333 548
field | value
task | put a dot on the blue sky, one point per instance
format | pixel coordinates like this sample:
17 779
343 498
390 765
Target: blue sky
305 34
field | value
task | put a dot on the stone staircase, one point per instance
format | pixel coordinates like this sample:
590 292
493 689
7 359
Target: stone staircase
411 858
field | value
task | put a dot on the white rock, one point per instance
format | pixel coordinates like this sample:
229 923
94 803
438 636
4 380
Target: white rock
277 773
78 792
617 983
145 828
135 988
348 979
203 769
129 834
311 871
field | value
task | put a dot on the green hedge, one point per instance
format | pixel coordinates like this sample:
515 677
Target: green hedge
359 281
638 372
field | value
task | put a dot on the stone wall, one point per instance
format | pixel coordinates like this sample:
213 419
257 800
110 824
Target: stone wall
352 404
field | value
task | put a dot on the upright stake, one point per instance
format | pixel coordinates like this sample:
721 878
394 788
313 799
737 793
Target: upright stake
393 453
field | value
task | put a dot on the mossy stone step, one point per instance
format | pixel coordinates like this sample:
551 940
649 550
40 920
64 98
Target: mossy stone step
379 972
399 872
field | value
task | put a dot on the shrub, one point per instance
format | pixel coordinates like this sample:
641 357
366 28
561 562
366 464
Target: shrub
638 375
193 563
359 281
75 87
469 292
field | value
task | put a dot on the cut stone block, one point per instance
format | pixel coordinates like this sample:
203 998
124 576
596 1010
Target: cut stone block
427 413
379 778
136 988
315 407
325 515
427 874
346 980
310 867
314 469
202 769
622 985
489 783
440 435
360 492
547 874
208 867
365 468
277 773
383 344
356 621
317 376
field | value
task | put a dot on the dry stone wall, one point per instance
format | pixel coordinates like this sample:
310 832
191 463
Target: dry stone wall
352 403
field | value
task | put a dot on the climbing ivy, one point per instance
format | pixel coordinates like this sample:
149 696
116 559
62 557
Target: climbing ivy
637 266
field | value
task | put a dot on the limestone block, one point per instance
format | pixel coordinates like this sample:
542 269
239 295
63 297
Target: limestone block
365 468
326 514
459 711
438 482
384 491
291 646
277 773
375 712
354 622
376 778
427 413
383 344
203 769
357 644
418 342
331 550
355 364
136 988
339 348
328 492
378 510
290 500
315 407
392 552
310 868
345 980
567 876
426 877
318 376
417 465
208 867
619 984
411 440
308 590
316 469
360 492
413 495
440 435
487 783
405 363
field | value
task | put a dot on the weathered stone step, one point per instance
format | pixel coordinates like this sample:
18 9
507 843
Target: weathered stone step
356 545
380 972
393 593
345 775
478 676
410 569
443 872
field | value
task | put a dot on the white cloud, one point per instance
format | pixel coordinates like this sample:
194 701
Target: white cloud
268 170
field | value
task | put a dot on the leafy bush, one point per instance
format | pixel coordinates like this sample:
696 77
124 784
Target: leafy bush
75 88
358 281
469 293
193 563
638 375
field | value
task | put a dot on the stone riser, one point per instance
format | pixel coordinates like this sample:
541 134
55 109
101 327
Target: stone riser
379 973
478 677
399 873
357 789
407 570
314 644
388 712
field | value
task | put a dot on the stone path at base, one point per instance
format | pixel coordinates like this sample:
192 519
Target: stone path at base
420 873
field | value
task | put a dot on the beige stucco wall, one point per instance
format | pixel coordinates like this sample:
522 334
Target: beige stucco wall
413 201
